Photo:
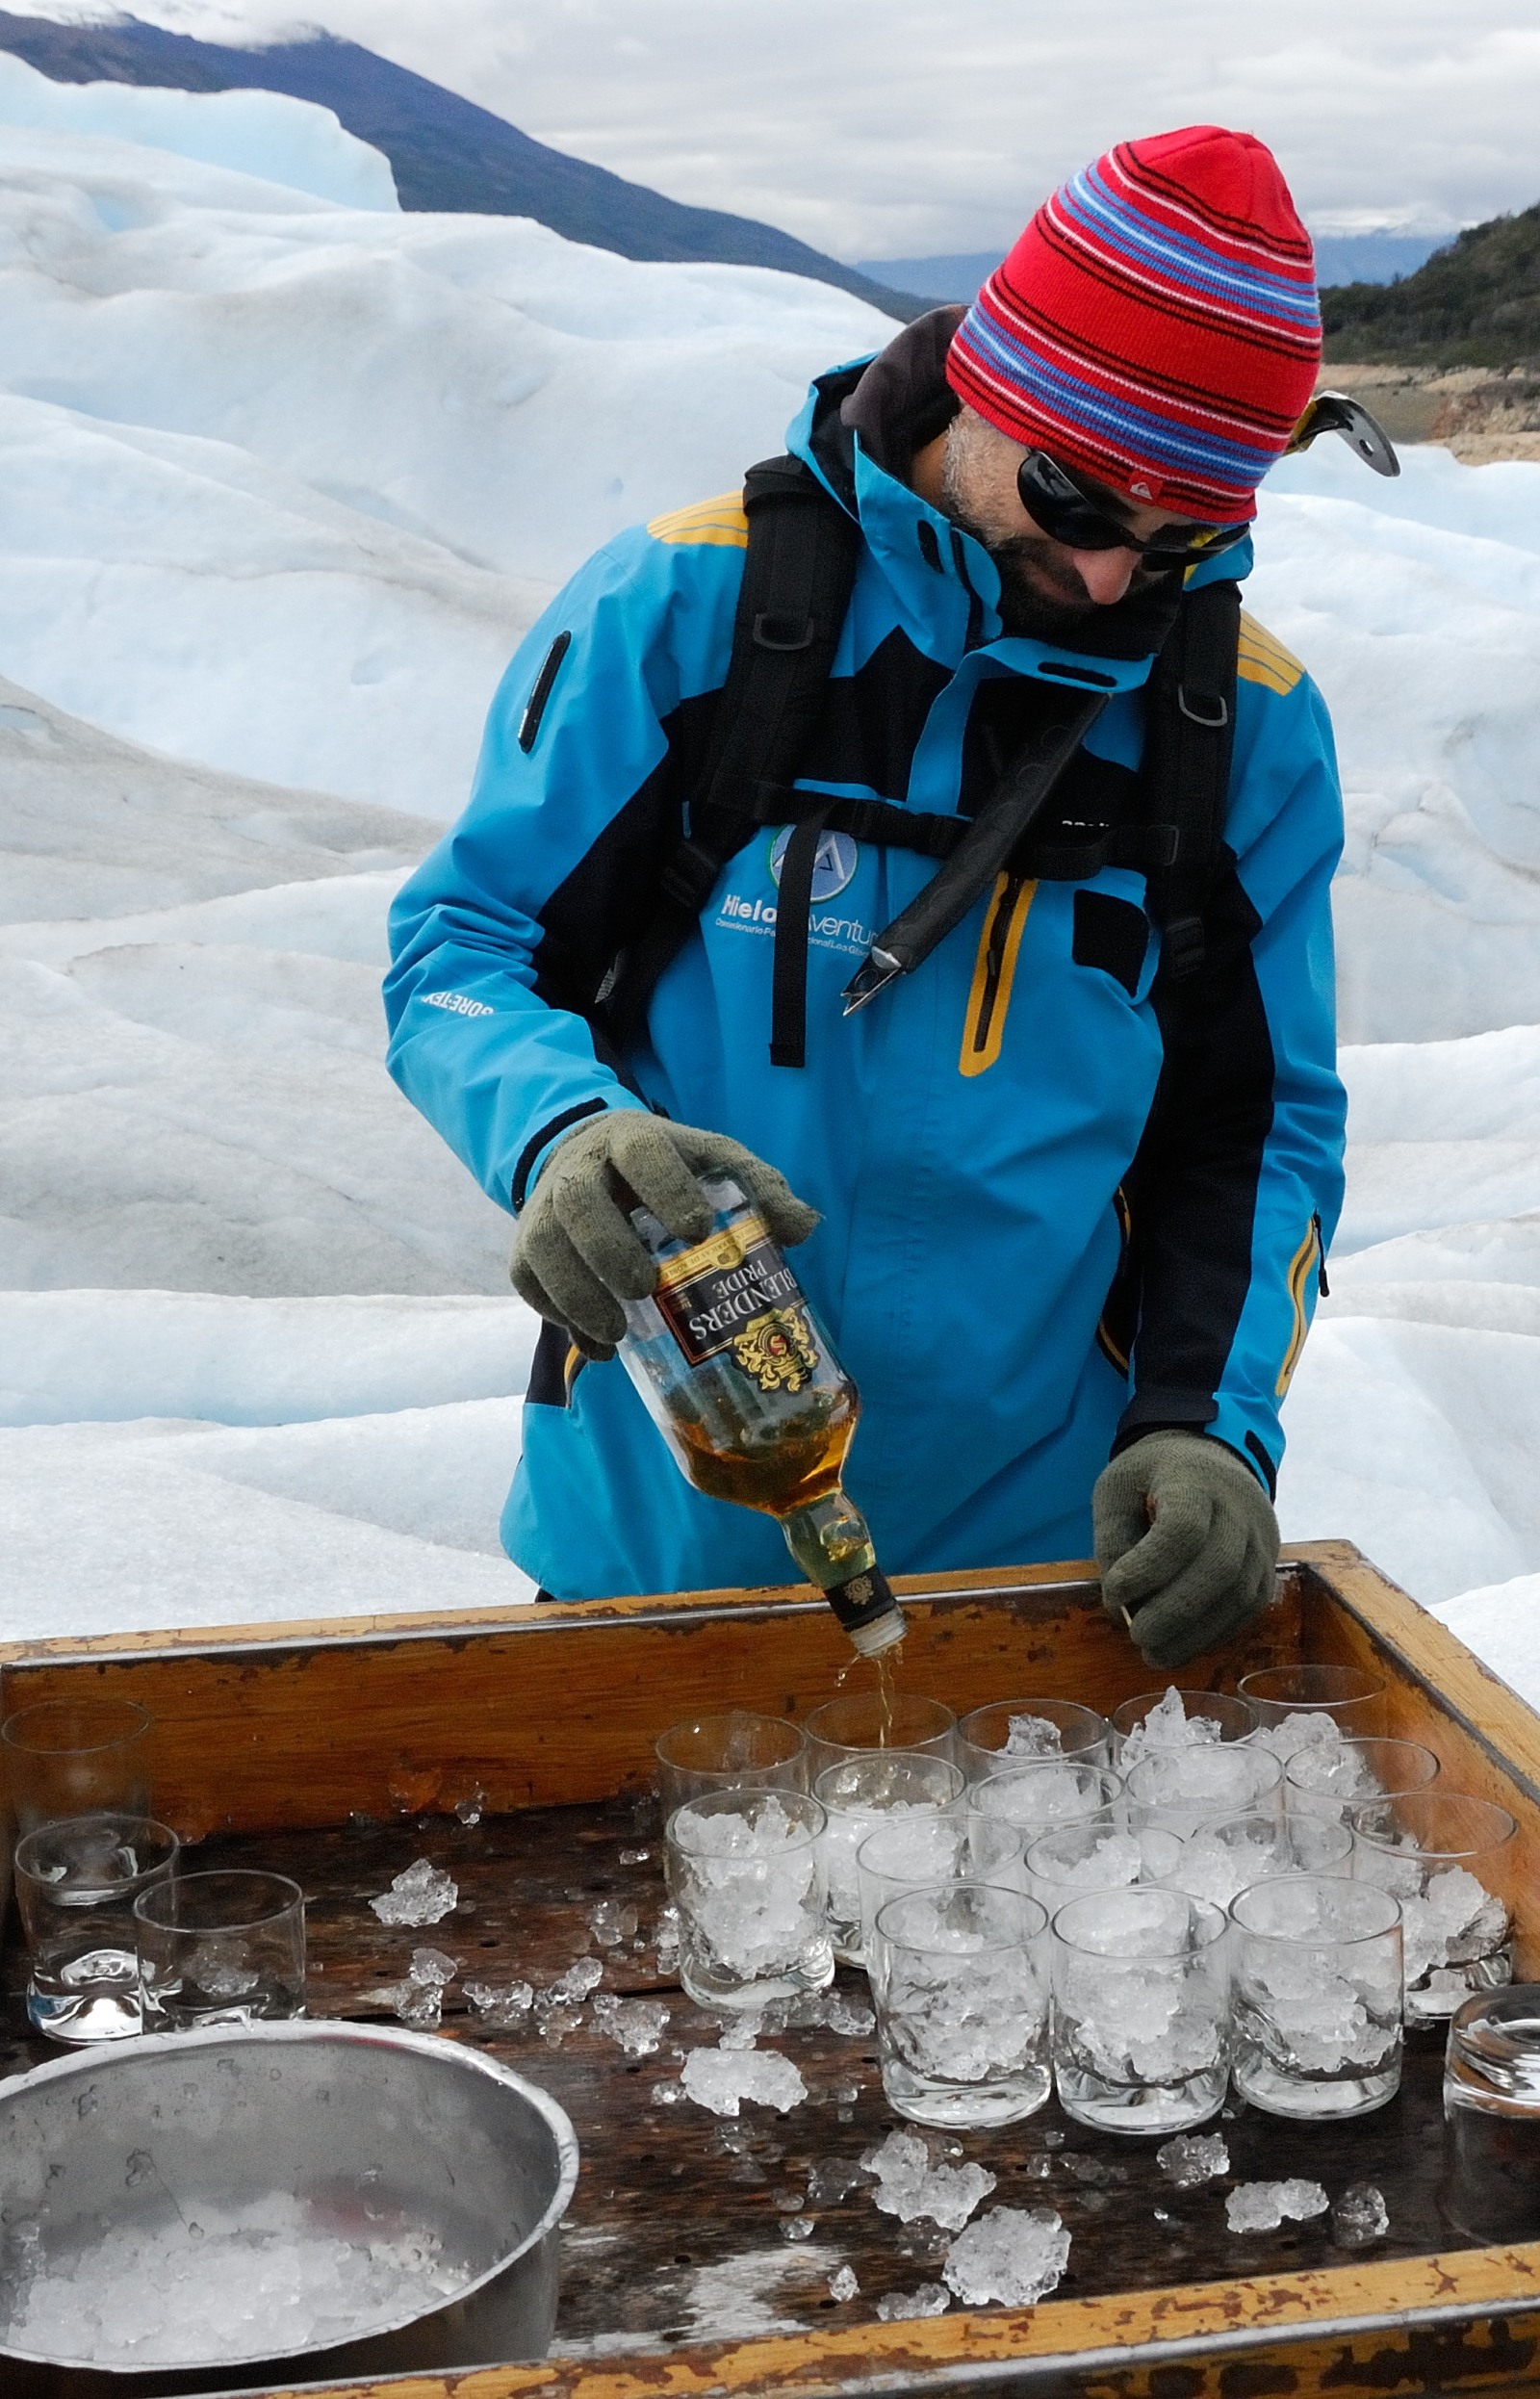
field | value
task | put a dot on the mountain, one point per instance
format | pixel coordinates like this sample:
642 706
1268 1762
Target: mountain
1339 258
1475 304
444 152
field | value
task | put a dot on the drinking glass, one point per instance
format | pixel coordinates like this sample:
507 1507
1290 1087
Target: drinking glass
1317 1966
1296 1704
907 1854
1045 1793
1182 1789
960 1987
855 1795
1449 1858
226 1947
1097 1853
1491 2110
1231 1852
1140 2009
857 1721
1014 1731
1150 1721
746 1872
1323 1779
723 1752
76 1884
76 1757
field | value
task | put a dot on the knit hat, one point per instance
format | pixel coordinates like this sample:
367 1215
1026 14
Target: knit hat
1156 326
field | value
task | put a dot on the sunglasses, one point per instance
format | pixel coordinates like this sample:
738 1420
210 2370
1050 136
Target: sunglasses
1068 513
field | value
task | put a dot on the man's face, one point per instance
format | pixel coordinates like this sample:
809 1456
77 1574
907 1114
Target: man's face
1046 588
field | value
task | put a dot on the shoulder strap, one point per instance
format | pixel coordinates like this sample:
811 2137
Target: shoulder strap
797 574
1190 738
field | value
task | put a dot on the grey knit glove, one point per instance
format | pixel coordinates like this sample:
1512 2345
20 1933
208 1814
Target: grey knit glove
1186 1543
577 1256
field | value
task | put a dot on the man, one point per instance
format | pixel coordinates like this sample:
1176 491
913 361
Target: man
1064 1190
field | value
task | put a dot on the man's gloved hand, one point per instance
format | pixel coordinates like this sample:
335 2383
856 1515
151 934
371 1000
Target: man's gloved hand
575 1255
1186 1542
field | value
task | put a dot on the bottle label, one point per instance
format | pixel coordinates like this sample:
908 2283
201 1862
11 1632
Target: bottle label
734 1292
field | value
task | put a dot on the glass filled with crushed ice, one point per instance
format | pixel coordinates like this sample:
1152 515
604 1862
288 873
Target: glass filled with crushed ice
1180 1790
723 1751
1297 1704
76 1884
1316 1967
1012 1731
1140 2009
746 1872
910 1852
862 1792
1097 1853
1449 1859
960 1986
221 1948
1178 1717
1045 1791
1324 1778
1227 1855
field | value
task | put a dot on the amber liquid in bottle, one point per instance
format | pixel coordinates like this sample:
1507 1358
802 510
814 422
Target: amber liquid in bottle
743 1384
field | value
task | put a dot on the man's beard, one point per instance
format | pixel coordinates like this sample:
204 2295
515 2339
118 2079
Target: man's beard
1040 595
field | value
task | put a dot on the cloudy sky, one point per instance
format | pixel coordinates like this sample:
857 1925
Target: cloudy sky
886 128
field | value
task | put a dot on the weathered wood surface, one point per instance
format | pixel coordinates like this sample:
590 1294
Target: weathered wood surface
680 2232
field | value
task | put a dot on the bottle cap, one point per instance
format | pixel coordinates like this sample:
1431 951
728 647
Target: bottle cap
868 1611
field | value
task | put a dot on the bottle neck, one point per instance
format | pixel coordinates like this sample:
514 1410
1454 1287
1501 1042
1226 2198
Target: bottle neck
830 1543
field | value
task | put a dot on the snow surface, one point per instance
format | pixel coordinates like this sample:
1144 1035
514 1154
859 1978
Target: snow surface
281 483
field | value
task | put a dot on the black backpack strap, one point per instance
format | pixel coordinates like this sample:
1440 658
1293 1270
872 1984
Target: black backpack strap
1188 741
797 574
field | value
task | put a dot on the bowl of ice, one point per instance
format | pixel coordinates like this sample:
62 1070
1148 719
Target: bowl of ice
203 2211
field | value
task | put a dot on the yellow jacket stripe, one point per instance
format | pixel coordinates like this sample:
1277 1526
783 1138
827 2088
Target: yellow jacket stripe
1301 1267
718 524
1263 659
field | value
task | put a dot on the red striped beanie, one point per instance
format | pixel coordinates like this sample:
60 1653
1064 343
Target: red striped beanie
1156 326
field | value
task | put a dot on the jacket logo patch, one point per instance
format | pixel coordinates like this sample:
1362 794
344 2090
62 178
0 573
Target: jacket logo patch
456 1003
833 867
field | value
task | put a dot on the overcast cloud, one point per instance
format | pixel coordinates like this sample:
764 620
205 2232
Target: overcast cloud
879 128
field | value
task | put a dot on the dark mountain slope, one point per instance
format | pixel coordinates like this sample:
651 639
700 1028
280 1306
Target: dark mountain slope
444 152
1475 304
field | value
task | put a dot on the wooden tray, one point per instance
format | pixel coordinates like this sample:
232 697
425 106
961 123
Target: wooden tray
338 1752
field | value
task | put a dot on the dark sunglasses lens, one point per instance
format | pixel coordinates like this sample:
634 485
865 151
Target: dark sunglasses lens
1065 514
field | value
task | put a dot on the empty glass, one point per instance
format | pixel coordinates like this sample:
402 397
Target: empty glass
223 1947
746 1872
76 1884
1140 2010
1181 1788
1228 1854
1296 1704
1492 2108
1045 1793
1170 1718
723 1752
1447 1857
1012 1731
1097 1853
860 1720
855 1795
1317 1966
960 1986
76 1757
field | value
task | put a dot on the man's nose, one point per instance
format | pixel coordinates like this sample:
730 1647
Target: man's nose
1105 573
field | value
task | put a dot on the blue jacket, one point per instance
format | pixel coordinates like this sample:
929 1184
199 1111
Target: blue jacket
1022 1261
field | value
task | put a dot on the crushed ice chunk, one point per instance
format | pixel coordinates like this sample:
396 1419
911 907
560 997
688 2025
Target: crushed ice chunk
612 1921
555 2022
1193 2158
667 1939
1014 2255
1217 1870
798 2228
900 2306
1302 1730
831 2179
420 2004
1260 2207
573 1987
720 2079
848 2016
910 2185
1359 2216
1169 1726
635 2025
1032 1736
634 1857
502 2007
430 1965
842 2285
1454 1921
740 2032
469 1809
419 1895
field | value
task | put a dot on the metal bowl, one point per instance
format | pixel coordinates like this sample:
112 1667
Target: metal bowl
364 2125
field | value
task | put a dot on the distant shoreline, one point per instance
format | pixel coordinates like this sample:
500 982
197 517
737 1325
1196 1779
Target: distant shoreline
1479 413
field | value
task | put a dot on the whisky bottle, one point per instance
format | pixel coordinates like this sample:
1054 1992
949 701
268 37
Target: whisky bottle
742 1382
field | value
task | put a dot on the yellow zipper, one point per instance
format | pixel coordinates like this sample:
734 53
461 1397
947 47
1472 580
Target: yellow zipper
1305 1258
994 971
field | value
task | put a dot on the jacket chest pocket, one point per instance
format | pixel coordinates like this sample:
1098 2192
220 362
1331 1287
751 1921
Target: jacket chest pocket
1107 933
1111 933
